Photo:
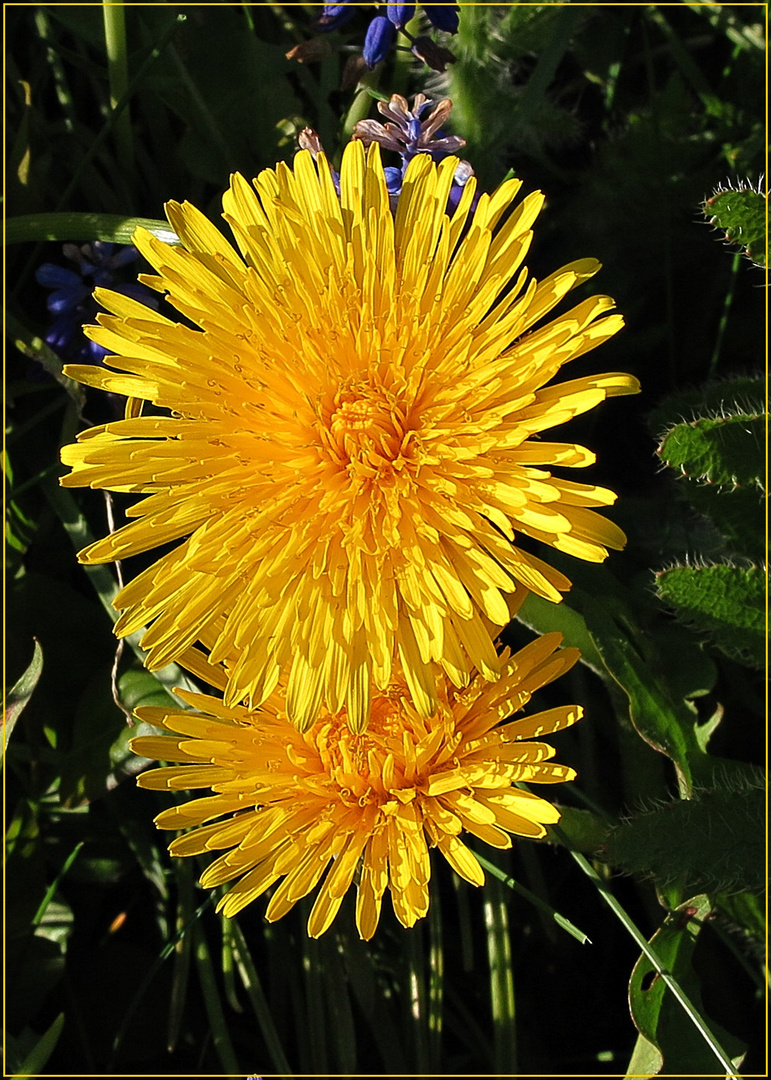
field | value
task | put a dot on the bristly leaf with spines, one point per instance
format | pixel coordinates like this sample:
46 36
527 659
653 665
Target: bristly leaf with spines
741 214
727 602
714 841
722 454
725 450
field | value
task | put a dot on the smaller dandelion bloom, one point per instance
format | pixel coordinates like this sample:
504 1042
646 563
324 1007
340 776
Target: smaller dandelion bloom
295 807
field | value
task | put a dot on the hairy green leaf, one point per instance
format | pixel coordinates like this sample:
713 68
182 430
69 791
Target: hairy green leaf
741 214
727 602
713 842
741 394
737 514
721 450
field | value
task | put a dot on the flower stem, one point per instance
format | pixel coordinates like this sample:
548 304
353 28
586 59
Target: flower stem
690 1009
117 71
501 981
213 1003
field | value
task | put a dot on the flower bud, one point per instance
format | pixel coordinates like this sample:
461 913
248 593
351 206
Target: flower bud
443 16
334 16
400 14
380 37
434 56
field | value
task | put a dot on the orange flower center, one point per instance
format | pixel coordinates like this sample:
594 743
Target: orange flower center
365 769
367 431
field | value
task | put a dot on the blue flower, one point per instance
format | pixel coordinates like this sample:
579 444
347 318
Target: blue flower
71 301
400 14
443 16
379 39
334 16
406 133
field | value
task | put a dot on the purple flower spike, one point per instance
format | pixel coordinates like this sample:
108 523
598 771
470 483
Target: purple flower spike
380 37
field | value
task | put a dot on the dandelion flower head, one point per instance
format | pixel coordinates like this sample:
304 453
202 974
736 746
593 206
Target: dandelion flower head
287 804
352 446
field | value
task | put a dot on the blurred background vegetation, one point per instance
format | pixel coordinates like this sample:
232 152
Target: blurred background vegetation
628 117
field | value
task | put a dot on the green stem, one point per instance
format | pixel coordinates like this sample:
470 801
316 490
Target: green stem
536 901
435 982
114 15
415 999
77 226
38 916
361 104
647 949
727 302
182 952
251 980
213 1003
501 981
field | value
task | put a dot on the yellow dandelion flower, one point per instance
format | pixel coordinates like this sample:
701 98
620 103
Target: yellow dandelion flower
353 443
372 804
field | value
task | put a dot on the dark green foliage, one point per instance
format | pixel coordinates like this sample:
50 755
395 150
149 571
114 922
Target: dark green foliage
739 394
722 464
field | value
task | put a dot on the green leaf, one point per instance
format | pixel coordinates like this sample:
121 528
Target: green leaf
721 450
53 919
633 662
34 348
79 228
248 972
36 1060
741 214
138 686
19 527
230 123
727 602
687 669
21 693
583 830
711 843
543 616
746 910
670 1041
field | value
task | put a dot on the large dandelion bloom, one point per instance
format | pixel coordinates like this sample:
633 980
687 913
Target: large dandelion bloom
353 443
289 803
